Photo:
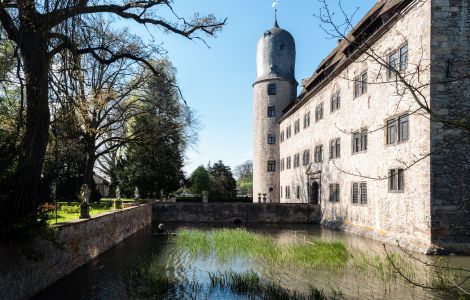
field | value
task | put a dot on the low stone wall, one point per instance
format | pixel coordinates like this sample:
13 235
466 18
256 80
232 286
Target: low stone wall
236 212
82 241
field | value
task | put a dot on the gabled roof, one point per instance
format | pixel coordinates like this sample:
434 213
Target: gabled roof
346 50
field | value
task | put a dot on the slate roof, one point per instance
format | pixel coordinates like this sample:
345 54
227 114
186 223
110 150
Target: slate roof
368 27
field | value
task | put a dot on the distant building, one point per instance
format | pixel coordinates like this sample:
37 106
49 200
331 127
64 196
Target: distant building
102 185
376 164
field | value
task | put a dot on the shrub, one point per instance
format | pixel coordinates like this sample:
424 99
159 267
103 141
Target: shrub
71 209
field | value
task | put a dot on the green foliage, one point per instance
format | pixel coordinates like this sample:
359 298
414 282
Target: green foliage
223 185
249 284
200 181
154 162
244 175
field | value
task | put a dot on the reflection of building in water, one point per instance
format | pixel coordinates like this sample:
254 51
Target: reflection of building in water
354 143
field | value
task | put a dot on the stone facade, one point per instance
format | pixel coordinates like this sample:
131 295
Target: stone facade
81 241
235 213
418 214
450 148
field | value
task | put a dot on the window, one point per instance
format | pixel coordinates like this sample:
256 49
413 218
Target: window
335 148
283 165
271 139
272 89
296 126
334 192
396 180
288 132
391 131
319 112
403 128
392 63
297 194
271 111
307 120
287 192
296 160
404 58
281 191
359 142
398 129
332 149
364 82
359 193
355 193
272 166
360 85
319 154
306 157
336 101
288 163
282 136
363 190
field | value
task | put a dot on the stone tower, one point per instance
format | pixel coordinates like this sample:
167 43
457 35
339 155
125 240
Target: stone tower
275 87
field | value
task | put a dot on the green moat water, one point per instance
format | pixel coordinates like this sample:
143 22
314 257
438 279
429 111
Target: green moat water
184 266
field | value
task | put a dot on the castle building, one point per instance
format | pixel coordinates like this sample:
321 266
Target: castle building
374 137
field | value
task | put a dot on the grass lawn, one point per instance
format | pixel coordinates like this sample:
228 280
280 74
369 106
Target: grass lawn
71 212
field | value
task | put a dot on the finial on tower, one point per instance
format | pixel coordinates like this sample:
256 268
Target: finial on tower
276 25
275 4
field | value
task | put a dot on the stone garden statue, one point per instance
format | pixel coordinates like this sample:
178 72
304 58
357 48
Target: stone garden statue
136 193
85 205
117 201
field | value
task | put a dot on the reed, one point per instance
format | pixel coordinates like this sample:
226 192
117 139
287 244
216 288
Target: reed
249 284
228 243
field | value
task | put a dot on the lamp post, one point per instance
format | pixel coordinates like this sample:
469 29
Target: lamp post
84 206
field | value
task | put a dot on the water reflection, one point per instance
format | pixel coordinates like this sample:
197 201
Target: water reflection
107 277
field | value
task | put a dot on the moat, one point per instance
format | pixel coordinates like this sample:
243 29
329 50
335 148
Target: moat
120 272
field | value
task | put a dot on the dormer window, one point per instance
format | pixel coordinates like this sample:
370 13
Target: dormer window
282 46
267 33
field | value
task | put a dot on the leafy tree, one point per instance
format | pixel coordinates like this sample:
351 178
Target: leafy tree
40 31
154 162
200 181
223 185
244 175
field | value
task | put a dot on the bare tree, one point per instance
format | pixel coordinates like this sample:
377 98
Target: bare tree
42 29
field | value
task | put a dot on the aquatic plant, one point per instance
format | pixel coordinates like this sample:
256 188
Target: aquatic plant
228 243
251 285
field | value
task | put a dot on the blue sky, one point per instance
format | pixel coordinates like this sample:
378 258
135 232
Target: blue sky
217 81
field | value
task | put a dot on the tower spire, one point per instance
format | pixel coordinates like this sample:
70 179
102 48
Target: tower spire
276 25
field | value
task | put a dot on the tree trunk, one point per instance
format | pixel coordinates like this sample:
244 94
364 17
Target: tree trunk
32 149
89 167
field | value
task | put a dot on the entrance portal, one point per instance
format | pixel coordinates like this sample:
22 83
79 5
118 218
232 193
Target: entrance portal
314 192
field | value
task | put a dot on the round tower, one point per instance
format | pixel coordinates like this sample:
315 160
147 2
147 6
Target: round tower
275 87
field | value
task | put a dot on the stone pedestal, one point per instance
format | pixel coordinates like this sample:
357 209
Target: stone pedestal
84 211
117 204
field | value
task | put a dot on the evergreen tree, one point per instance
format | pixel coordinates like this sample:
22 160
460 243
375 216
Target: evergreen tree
200 181
223 185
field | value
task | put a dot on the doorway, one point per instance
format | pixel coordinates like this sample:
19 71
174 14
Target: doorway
314 192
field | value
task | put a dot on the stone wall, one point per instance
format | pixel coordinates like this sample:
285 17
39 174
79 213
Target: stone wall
235 212
388 215
450 98
82 241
